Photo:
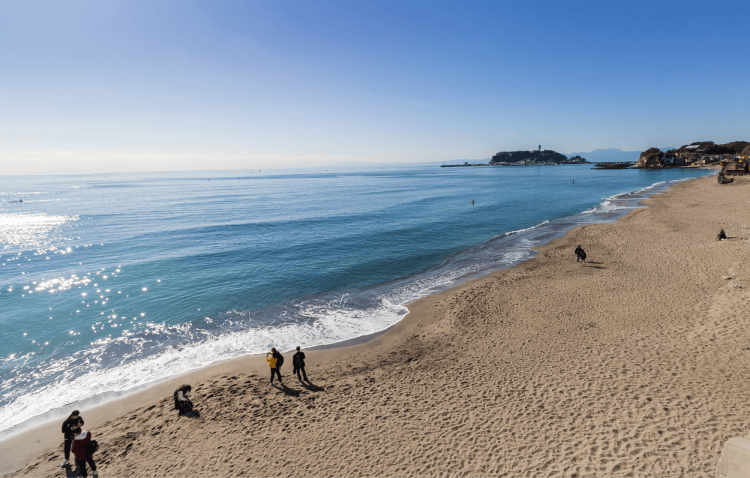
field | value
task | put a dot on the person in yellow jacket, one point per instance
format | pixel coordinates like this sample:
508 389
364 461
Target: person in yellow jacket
272 363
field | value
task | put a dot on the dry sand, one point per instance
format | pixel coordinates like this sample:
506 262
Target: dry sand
636 365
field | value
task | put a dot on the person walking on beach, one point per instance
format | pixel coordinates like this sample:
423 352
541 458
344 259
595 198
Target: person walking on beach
272 362
298 361
82 452
279 358
582 257
578 253
73 421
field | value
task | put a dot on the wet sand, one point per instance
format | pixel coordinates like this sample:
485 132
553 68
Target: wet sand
636 365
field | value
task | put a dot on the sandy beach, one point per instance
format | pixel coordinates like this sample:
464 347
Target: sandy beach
636 365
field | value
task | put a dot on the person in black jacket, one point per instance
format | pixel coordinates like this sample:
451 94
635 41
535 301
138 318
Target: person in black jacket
582 257
298 361
72 422
182 400
279 359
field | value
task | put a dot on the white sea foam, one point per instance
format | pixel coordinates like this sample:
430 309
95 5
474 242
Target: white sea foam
527 229
319 322
329 324
325 322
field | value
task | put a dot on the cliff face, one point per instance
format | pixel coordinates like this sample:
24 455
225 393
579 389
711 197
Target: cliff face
746 151
651 158
546 156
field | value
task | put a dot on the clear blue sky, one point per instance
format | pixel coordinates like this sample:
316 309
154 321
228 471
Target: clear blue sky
160 85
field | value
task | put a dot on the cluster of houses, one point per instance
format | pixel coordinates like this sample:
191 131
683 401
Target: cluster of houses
732 165
693 155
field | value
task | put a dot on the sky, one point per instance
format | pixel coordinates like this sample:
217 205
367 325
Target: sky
105 86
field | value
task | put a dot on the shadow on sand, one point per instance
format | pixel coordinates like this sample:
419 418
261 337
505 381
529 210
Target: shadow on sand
71 471
288 391
312 387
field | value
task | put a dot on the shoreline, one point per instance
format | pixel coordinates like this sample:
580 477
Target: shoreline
106 398
342 314
387 342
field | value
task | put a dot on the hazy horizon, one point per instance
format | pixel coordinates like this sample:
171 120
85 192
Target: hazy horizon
173 86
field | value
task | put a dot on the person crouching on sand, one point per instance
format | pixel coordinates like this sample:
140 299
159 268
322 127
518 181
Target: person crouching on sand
73 421
82 454
272 363
182 400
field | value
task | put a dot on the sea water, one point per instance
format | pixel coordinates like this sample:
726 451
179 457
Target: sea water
111 282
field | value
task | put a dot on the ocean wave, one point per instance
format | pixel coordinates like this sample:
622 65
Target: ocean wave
83 379
526 229
330 323
113 368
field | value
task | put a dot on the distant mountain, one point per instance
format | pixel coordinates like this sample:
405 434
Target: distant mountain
611 155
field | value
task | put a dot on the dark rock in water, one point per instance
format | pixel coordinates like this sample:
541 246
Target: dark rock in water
533 157
651 158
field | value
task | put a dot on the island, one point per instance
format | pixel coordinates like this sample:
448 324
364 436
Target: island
533 158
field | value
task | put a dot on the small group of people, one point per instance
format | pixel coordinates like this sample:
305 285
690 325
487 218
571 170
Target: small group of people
580 255
83 447
276 360
79 440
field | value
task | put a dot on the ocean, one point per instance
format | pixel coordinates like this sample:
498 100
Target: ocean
109 283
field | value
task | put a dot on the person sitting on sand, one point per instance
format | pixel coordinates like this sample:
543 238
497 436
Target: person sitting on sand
273 363
298 362
182 400
73 421
81 452
722 235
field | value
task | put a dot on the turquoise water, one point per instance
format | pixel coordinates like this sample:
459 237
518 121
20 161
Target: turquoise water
110 282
